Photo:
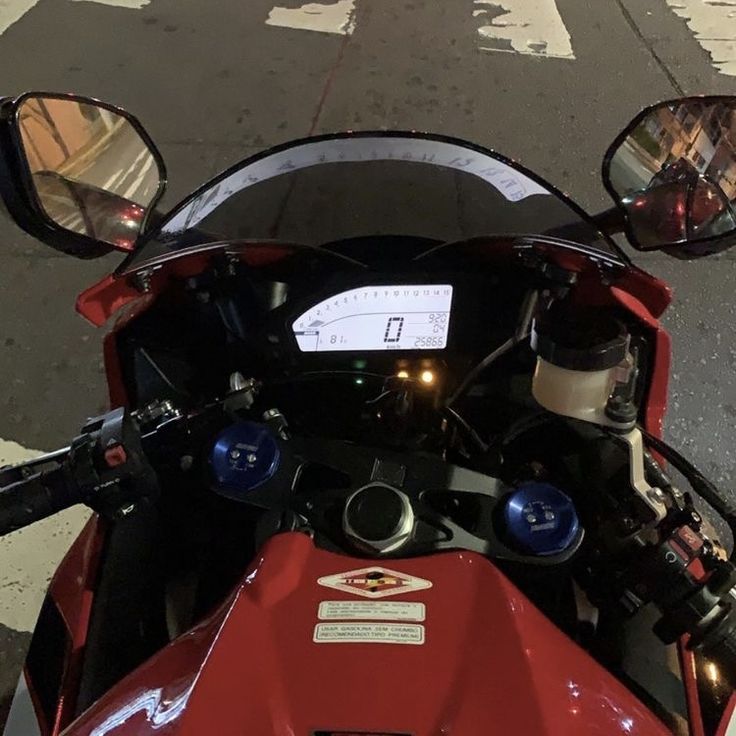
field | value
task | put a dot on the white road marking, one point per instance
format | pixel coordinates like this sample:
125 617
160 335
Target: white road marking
132 4
713 23
30 556
118 177
11 453
335 17
532 27
133 188
13 10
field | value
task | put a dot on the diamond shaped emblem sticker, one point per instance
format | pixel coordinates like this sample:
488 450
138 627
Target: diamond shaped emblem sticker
374 582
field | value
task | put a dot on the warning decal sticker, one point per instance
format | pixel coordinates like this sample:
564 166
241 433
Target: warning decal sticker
364 633
371 611
374 582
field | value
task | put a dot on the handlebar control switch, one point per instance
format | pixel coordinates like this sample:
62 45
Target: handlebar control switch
105 468
107 464
378 517
115 455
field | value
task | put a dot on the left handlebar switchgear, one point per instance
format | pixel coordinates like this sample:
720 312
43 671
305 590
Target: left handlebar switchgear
105 468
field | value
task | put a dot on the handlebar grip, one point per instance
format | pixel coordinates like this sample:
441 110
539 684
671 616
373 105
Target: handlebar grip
34 498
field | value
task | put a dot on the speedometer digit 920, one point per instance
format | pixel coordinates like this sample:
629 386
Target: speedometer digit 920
395 317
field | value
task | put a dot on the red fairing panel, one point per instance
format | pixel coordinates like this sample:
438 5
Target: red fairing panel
490 663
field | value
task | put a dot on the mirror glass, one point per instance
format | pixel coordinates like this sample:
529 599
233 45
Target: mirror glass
675 172
92 171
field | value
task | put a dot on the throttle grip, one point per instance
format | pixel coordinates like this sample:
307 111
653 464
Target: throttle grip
35 498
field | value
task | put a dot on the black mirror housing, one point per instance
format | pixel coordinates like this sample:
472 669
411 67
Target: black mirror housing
80 175
672 174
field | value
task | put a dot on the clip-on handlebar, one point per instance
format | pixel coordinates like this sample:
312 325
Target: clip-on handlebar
105 468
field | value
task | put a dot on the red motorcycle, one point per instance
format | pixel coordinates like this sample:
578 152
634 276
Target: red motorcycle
384 455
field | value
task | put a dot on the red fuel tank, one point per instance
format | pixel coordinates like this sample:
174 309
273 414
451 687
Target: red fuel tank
314 643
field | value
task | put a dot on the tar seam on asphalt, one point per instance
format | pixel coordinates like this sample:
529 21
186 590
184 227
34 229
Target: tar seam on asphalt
650 48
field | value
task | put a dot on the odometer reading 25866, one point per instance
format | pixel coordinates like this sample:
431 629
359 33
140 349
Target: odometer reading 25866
405 317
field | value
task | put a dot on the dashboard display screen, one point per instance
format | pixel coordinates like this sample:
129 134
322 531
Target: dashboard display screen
397 317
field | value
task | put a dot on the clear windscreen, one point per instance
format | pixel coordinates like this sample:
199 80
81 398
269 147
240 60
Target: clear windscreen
326 190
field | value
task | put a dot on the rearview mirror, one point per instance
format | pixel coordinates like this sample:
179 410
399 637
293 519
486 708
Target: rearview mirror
673 173
87 173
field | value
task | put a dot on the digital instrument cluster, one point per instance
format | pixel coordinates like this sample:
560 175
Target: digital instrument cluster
371 318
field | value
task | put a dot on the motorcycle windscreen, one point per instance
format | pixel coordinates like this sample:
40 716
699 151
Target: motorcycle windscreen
331 189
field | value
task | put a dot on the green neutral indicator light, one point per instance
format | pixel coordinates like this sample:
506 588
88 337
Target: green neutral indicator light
359 381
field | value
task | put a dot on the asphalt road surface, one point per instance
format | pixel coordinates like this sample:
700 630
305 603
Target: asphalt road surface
213 82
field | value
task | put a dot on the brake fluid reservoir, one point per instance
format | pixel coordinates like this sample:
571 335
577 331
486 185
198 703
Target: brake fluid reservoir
580 358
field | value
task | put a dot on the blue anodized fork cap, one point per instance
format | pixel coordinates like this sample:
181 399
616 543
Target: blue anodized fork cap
540 519
245 456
